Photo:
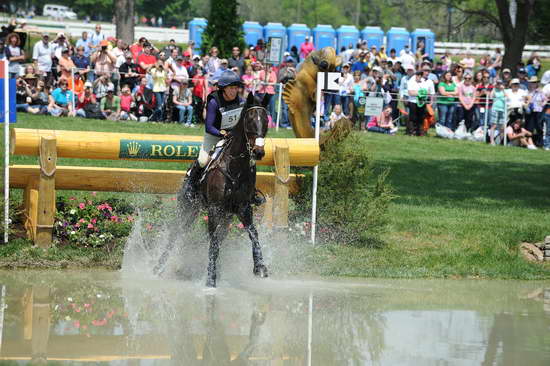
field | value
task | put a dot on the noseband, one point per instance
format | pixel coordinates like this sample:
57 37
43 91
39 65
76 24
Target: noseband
248 147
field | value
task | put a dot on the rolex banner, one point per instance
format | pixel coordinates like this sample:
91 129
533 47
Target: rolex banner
157 149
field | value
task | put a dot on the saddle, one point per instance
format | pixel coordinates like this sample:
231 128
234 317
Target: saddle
215 153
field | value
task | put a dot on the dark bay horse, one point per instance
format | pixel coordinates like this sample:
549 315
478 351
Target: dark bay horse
228 188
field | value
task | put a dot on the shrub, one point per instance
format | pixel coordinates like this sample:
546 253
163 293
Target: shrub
352 199
92 223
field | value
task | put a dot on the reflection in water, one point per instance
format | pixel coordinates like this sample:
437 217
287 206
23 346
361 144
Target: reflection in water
99 317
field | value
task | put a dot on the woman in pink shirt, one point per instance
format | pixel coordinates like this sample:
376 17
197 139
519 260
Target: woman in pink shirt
267 81
248 81
306 48
466 96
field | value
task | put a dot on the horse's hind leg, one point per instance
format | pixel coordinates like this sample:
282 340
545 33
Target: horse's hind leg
218 224
186 214
246 217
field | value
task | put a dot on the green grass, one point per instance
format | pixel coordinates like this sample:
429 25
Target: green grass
461 211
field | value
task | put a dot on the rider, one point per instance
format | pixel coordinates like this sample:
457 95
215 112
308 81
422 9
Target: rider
223 109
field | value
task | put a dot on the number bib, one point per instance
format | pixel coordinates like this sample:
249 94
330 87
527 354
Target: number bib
230 118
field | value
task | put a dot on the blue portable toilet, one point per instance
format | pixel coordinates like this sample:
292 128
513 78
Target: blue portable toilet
324 36
397 38
346 35
196 28
374 37
426 36
297 34
252 32
275 30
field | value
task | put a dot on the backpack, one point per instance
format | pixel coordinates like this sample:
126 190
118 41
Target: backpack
93 110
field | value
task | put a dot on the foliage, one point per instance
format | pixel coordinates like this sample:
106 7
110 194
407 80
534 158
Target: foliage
224 29
91 223
352 198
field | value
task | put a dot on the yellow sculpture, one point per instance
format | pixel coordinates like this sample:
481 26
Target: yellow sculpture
299 94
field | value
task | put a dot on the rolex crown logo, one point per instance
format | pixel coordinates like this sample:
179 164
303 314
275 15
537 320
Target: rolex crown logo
133 148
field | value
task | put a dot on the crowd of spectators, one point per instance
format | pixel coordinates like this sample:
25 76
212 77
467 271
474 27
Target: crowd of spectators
97 76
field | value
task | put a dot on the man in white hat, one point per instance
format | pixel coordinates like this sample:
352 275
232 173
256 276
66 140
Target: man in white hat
516 98
42 57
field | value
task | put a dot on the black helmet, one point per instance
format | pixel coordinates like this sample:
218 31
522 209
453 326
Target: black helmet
229 78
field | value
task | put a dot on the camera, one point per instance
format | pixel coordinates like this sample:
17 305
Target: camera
103 48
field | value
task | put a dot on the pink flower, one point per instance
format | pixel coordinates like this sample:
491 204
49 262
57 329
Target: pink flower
130 218
94 221
205 218
114 218
173 198
240 225
81 205
77 225
94 193
82 221
87 305
77 310
99 323
72 198
110 314
90 226
76 324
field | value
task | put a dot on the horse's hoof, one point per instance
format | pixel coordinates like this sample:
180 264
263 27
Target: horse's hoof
260 271
211 282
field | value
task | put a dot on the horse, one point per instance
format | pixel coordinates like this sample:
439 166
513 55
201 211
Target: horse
228 187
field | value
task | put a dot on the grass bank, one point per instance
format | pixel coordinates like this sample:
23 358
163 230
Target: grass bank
461 208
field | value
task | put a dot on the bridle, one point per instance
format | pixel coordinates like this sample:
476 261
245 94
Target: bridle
248 147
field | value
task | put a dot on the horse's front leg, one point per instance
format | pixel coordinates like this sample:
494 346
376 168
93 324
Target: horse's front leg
246 217
218 223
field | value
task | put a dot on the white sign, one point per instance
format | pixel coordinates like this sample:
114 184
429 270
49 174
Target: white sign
275 50
373 106
328 80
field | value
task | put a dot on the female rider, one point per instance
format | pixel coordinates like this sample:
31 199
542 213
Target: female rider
223 109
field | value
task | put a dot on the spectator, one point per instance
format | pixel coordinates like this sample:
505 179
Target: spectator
361 63
81 62
407 58
533 65
447 100
458 74
236 61
127 103
498 110
66 65
535 110
335 116
40 97
199 93
129 74
345 83
171 47
522 76
76 84
179 70
84 42
42 57
383 123
23 97
2 49
483 98
393 56
468 62
15 54
466 97
306 48
222 67
249 81
110 105
104 60
418 94
146 60
159 76
213 61
267 80
96 38
517 135
61 101
137 48
183 100
516 98
86 97
259 50
506 77
101 85
190 48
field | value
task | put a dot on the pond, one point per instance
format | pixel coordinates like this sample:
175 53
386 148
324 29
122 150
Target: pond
108 318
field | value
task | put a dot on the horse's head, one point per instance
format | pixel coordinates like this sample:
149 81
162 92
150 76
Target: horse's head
255 124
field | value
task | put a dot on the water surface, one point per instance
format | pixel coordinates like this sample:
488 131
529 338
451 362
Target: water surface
96 317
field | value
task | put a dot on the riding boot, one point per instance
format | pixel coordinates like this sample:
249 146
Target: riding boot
191 187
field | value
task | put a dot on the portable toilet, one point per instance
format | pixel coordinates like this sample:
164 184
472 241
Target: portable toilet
346 35
426 36
252 32
196 28
374 37
297 34
397 38
324 36
275 30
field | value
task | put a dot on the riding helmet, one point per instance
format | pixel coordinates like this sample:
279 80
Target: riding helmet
229 78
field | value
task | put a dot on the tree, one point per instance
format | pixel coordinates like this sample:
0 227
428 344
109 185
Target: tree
510 16
124 20
224 29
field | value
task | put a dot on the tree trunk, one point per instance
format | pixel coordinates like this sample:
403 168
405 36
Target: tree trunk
514 33
124 18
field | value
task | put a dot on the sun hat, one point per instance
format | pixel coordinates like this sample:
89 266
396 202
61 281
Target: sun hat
104 43
514 81
533 79
506 70
88 84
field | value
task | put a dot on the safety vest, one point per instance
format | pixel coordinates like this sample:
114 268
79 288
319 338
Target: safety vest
228 113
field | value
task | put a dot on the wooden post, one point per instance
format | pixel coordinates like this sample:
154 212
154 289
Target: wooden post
31 208
267 219
46 192
280 197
